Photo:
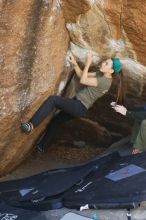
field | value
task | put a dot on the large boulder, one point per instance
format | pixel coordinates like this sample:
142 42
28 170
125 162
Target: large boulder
33 45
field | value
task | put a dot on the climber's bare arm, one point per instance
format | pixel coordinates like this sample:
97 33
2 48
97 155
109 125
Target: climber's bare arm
89 78
86 78
79 72
91 74
77 69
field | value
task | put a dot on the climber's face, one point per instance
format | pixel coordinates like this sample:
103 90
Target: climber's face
106 66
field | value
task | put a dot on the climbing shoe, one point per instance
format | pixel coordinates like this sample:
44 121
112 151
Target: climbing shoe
26 127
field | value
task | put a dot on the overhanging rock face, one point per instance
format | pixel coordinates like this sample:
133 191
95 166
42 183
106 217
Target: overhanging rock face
34 42
35 37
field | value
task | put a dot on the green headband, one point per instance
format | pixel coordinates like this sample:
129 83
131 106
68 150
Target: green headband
117 66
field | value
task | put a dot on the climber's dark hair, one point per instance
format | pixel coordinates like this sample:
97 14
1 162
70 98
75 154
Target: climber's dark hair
120 88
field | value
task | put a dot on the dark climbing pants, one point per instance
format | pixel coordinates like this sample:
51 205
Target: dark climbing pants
70 108
52 128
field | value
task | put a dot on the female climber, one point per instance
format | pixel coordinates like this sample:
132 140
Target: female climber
96 84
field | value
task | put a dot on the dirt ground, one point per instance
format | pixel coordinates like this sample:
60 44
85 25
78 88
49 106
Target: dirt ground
57 156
